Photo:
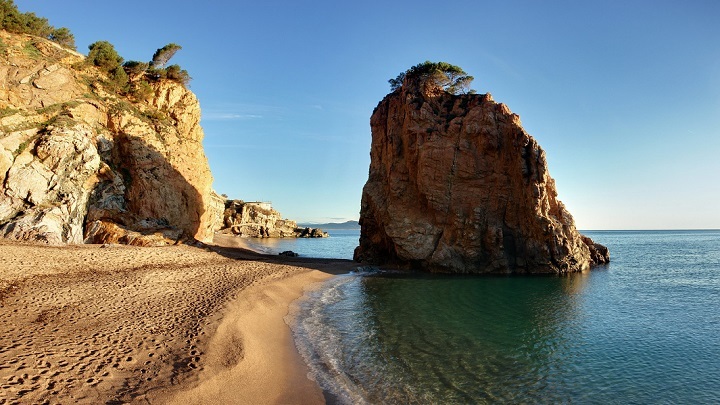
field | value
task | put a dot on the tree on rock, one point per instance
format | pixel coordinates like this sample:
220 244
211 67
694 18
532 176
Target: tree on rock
449 77
64 37
174 72
164 54
12 20
135 68
103 55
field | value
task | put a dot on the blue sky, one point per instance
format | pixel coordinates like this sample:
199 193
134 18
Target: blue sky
624 96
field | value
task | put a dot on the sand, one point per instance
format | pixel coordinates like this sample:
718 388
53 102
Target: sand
179 324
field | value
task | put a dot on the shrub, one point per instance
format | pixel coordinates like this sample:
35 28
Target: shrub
31 50
141 90
12 20
7 111
135 68
179 75
103 55
64 37
119 79
156 74
449 77
35 25
163 55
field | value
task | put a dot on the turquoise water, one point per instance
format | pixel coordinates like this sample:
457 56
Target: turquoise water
644 329
340 245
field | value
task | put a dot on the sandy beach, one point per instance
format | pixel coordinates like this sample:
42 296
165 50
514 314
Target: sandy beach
179 324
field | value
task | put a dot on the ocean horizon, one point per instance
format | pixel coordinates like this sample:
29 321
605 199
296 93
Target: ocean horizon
642 329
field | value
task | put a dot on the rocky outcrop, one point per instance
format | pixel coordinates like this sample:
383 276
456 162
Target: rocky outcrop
457 185
260 220
79 163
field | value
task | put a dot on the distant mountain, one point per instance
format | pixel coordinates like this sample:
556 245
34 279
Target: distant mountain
335 225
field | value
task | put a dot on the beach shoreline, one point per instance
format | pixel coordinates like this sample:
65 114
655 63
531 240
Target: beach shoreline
116 324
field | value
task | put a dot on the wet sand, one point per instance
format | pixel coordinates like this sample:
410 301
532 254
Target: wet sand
179 324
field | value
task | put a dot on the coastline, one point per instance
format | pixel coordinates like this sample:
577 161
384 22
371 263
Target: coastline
173 324
268 367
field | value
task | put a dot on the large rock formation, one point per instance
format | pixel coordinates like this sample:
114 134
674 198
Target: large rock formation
79 163
260 220
457 185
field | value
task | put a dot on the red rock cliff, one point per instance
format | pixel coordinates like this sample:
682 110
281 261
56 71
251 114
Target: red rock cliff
457 185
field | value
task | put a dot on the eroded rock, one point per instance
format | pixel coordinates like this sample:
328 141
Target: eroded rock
457 185
79 163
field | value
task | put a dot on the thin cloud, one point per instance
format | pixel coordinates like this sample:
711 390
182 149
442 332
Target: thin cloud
223 116
238 146
239 112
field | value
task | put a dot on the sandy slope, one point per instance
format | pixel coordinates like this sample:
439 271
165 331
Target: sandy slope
175 324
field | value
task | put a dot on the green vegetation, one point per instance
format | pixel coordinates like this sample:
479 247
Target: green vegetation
163 55
31 50
133 78
134 68
21 148
12 20
176 74
103 55
63 116
141 90
449 77
64 37
7 111
55 108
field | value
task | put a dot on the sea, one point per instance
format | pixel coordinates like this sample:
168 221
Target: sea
644 329
340 245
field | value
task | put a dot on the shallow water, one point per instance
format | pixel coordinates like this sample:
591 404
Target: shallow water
340 245
644 329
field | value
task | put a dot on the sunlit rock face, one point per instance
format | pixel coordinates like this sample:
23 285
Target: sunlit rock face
259 220
456 185
79 163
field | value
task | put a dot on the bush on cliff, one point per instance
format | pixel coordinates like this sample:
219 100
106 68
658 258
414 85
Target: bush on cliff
12 20
154 70
163 55
103 55
64 37
134 68
174 72
449 77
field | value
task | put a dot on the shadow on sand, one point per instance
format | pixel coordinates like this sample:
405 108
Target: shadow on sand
231 247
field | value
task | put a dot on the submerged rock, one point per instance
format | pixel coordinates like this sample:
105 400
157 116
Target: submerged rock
457 185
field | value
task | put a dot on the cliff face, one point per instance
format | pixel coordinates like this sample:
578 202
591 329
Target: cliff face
80 164
260 220
457 185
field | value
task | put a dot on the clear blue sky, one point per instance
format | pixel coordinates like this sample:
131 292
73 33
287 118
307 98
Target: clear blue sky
624 96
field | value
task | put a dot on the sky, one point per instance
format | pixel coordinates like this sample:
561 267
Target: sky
624 96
